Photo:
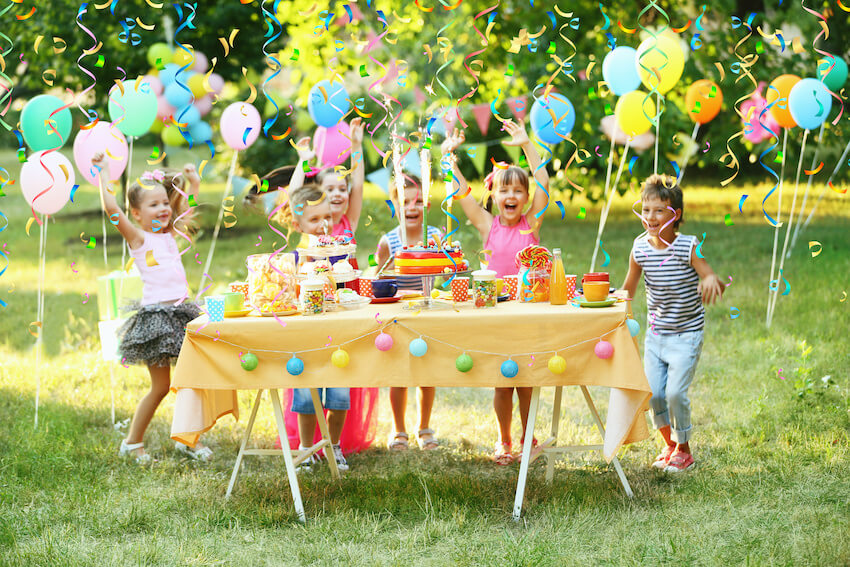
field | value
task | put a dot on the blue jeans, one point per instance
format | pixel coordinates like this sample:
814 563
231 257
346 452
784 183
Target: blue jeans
670 362
334 399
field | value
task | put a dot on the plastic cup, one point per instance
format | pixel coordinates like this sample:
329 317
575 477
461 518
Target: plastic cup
215 308
460 289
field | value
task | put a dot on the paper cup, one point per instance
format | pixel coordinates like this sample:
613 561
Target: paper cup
460 289
512 285
571 286
240 287
215 308
365 287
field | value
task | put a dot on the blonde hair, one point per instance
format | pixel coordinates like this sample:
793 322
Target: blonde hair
174 185
292 203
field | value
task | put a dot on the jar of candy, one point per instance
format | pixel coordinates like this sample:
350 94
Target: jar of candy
312 297
533 285
484 288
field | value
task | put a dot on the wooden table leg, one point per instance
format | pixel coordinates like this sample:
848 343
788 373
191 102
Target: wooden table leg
323 428
526 453
244 444
615 461
287 457
556 422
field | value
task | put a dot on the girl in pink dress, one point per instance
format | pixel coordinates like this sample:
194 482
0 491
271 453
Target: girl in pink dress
504 235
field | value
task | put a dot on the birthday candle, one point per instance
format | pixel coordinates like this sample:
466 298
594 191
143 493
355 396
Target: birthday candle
399 186
425 162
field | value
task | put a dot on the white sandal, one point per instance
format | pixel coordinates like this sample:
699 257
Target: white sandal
204 454
427 444
399 441
128 450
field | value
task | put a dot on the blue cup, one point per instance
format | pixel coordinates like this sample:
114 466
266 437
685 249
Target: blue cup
384 288
215 308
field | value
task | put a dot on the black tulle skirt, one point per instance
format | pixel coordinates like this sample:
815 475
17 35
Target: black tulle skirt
154 335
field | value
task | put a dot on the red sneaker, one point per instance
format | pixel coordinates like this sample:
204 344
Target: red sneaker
663 459
680 462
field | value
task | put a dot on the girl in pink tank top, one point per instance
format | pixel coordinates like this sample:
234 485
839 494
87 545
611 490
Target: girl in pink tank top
504 235
154 334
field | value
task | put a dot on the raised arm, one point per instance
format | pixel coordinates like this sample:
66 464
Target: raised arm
355 198
304 154
477 215
131 233
193 181
519 137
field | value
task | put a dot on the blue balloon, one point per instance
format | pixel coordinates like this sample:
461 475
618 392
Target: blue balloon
418 347
328 103
178 95
809 103
619 69
200 131
169 74
548 130
509 369
295 366
634 327
188 115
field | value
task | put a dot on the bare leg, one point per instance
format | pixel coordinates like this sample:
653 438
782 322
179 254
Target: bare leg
684 448
426 404
503 404
398 401
665 433
336 420
306 428
160 383
524 395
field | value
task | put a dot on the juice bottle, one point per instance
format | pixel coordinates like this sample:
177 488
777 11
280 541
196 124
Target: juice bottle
557 281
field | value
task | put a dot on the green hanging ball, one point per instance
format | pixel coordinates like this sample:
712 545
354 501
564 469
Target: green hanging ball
249 361
463 363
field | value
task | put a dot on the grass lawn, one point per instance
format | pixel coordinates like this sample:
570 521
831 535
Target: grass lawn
771 418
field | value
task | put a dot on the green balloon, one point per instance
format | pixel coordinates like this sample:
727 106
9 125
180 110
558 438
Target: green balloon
160 51
38 135
835 78
463 363
134 111
172 136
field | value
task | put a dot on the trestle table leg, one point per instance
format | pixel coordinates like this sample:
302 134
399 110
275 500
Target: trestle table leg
556 423
244 444
615 461
526 453
323 428
287 457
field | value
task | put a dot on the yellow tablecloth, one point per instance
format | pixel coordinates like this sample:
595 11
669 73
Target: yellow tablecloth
209 371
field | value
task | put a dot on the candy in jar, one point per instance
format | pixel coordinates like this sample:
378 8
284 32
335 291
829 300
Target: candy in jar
312 297
484 288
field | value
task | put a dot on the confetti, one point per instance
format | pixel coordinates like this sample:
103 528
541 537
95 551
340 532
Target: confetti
582 213
561 207
741 203
729 221
392 208
813 171
815 244
632 163
734 312
699 247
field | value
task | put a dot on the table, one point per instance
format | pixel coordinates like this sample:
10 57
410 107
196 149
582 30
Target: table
209 372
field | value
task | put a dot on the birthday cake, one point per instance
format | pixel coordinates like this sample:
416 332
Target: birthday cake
271 283
436 258
327 245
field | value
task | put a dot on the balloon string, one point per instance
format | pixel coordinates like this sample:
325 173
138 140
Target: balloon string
42 253
224 196
777 224
604 217
808 186
688 155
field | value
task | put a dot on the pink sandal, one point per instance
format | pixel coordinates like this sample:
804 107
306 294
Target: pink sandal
502 456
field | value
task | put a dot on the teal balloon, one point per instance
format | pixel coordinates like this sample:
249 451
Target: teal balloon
38 135
200 132
134 111
809 103
833 78
619 69
634 327
418 347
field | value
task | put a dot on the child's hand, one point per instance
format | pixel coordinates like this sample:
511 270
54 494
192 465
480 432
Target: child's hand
453 141
303 149
356 131
190 174
519 137
710 289
99 160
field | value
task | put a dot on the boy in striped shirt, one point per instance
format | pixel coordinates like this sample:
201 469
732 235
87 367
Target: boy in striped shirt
678 281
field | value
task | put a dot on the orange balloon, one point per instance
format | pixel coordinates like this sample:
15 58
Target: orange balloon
783 84
703 101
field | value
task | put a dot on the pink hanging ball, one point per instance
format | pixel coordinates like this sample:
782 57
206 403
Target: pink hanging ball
604 350
383 342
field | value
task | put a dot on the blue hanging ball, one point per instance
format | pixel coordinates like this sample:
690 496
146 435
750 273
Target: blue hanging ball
295 366
510 369
634 327
418 347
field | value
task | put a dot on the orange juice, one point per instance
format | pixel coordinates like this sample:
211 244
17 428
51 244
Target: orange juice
558 281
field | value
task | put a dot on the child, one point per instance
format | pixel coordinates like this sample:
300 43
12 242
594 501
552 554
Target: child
676 278
153 335
504 235
389 244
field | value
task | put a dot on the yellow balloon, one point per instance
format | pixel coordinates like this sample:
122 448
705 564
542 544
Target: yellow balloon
181 57
172 136
340 358
196 85
557 364
660 63
633 112
157 126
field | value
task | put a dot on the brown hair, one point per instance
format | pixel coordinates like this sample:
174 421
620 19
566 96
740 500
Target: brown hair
174 185
664 188
327 172
293 203
277 179
503 176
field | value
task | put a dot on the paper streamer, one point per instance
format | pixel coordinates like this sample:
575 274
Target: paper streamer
273 32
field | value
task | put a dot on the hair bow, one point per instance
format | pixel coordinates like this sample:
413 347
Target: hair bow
155 175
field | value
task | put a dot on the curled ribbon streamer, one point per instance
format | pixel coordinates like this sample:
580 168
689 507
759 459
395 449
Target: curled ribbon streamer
828 56
6 97
187 22
765 165
653 86
91 114
270 19
486 44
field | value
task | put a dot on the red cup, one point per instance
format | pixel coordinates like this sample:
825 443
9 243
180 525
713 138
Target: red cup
512 285
571 286
595 277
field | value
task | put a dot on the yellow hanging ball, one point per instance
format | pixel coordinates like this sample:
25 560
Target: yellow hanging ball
557 364
182 58
340 358
196 85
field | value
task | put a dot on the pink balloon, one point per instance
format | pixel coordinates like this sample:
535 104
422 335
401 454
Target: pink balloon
332 145
216 82
604 349
756 132
47 178
164 108
103 137
204 105
383 342
240 125
201 63
154 82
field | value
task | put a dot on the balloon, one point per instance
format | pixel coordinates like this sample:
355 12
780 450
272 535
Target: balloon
163 109
463 363
134 110
383 342
172 136
552 118
509 369
604 350
169 74
557 364
664 55
633 112
155 84
295 366
159 51
216 83
47 187
634 327
178 95
157 127
709 97
38 135
809 103
619 69
340 358
196 85
754 131
200 131
249 361
332 145
204 105
188 115
102 137
418 347
201 63
833 72
236 120
328 103
182 57
780 88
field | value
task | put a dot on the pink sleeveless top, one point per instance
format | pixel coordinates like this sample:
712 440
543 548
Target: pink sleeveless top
164 280
343 228
505 242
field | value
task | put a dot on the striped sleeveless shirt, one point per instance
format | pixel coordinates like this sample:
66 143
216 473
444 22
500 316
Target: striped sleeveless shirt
394 240
672 300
